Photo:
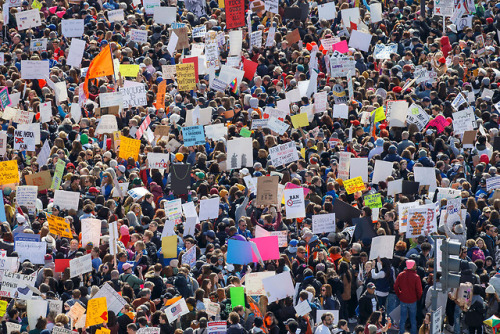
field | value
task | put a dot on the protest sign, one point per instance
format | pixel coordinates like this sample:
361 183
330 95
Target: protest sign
186 79
253 282
359 167
416 115
396 113
294 203
426 176
91 231
59 226
9 172
422 220
239 153
360 40
107 125
28 19
139 36
58 174
72 28
158 160
38 44
492 183
15 285
5 98
80 265
116 15
324 223
302 308
403 214
327 11
193 135
373 201
36 308
129 148
42 180
34 69
382 247
283 154
217 327
33 251
209 208
278 286
134 94
353 185
267 190
114 301
67 200
24 140
12 327
235 13
26 196
97 312
178 309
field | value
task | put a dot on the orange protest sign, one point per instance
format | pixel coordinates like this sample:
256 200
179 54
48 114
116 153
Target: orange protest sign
59 226
9 172
97 312
129 148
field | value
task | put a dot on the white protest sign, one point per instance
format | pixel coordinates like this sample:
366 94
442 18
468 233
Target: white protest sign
139 36
165 15
24 140
34 69
283 154
178 309
382 246
396 113
28 19
67 200
12 327
323 223
80 265
294 203
158 160
72 28
278 286
327 11
209 208
150 6
426 176
75 54
134 94
239 153
32 251
235 40
114 301
26 196
359 167
492 183
382 170
107 124
360 40
303 308
253 282
417 115
91 231
116 15
36 308
276 125
38 44
15 285
340 111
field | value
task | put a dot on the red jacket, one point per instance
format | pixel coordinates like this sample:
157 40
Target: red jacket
408 286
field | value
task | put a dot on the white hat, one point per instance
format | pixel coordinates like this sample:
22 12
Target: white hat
490 289
20 218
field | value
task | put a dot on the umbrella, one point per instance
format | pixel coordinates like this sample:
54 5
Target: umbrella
493 322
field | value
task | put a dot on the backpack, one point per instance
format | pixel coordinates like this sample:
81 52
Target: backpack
477 254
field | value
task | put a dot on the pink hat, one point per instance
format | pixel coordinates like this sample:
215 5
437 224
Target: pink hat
124 230
410 264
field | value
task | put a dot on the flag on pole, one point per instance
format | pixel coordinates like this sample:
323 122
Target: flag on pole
143 127
101 66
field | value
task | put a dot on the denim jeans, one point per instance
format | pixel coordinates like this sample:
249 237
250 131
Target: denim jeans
408 310
457 324
392 302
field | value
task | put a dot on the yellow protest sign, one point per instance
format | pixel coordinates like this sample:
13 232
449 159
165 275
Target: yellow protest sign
129 148
3 307
59 226
129 70
9 172
36 5
379 114
186 77
97 312
103 331
169 247
353 185
300 120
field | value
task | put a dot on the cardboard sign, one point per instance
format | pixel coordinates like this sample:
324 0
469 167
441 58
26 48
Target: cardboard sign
43 180
267 190
293 37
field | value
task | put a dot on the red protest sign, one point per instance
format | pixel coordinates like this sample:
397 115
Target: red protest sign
235 13
61 264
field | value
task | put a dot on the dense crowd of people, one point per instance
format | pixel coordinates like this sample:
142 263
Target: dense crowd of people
444 70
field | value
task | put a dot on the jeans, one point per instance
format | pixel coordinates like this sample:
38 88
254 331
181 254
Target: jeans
392 302
456 317
381 303
408 310
475 330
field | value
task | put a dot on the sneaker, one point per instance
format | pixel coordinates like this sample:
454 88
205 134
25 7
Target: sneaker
395 327
353 320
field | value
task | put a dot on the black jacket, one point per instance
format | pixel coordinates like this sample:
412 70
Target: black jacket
366 306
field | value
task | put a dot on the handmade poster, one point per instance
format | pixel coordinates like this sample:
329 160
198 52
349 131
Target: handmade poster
324 223
492 183
396 113
129 148
267 190
235 13
381 247
416 115
209 208
359 167
373 201
33 251
67 200
42 180
158 160
15 285
422 220
294 203
133 94
34 69
24 140
36 308
72 28
59 226
239 153
165 15
116 15
278 286
426 176
91 231
107 125
178 309
97 312
9 172
28 19
186 76
80 265
327 11
360 40
253 282
283 154
403 214
26 196
114 301
382 170
353 185
180 178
